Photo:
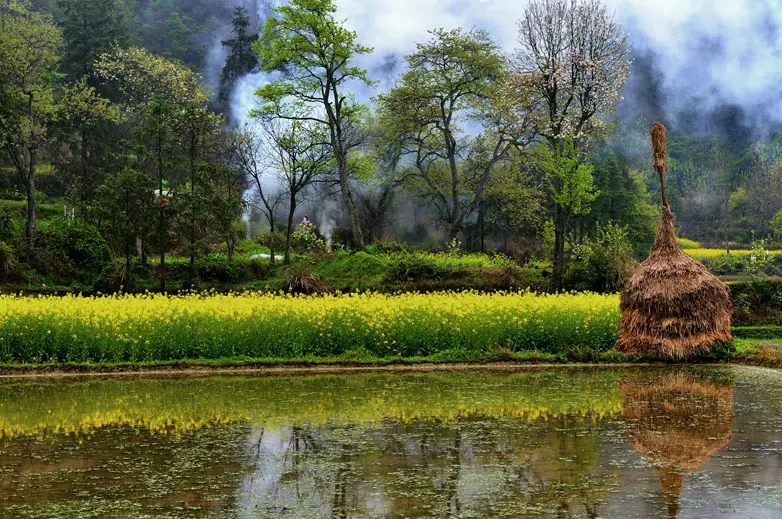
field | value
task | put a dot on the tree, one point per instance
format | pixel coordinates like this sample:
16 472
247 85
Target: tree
623 199
90 28
452 81
242 58
127 204
29 55
161 97
513 202
573 56
195 202
285 158
569 182
314 52
81 113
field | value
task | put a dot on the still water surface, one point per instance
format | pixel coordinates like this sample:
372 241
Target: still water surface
609 443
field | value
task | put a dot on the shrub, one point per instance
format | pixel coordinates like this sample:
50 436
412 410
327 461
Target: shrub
603 263
305 240
413 267
726 264
7 261
80 244
299 280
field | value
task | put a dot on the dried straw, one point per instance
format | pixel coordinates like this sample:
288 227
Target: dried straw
672 306
676 423
659 152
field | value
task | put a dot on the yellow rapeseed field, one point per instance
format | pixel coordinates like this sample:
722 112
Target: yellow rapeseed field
211 326
710 254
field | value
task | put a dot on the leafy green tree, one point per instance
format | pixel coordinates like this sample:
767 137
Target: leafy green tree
623 199
195 204
81 117
29 55
450 83
160 97
127 206
570 185
90 28
242 58
315 51
514 201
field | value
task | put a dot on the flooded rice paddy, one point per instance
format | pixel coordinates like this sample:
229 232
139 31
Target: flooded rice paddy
611 443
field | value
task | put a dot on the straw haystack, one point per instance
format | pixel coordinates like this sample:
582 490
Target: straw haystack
676 422
672 306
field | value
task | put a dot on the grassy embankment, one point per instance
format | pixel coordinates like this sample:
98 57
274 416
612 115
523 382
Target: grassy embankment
253 329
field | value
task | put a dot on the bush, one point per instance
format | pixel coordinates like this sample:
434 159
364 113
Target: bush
603 263
413 267
70 249
7 261
726 264
305 240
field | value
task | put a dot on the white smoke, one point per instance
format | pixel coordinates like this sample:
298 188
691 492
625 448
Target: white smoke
328 213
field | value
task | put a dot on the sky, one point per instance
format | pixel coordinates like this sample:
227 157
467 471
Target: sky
716 52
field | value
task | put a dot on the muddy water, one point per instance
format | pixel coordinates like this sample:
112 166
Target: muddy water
647 442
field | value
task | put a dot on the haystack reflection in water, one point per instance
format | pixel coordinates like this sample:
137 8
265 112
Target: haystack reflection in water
677 422
561 443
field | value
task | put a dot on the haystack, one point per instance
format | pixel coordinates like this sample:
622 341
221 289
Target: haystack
676 422
672 306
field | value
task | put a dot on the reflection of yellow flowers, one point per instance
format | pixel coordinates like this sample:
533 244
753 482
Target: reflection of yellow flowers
173 407
151 327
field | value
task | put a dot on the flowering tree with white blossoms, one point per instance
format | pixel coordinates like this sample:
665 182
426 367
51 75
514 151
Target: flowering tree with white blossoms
573 58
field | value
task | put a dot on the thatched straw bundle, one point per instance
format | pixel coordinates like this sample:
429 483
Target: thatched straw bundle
672 306
676 423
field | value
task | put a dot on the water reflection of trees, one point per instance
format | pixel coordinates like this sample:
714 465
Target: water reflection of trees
676 422
488 467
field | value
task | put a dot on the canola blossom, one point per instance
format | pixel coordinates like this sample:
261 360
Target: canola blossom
701 254
139 328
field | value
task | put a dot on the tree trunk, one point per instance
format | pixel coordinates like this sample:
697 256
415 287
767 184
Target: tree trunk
162 219
559 247
31 205
272 249
193 152
453 231
289 230
350 205
482 227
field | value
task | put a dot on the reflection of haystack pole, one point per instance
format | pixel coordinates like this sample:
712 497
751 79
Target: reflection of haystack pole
672 306
676 423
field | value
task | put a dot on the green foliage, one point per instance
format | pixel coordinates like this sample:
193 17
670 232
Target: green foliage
76 242
569 179
242 58
315 54
8 261
305 240
603 263
448 86
624 200
90 28
413 267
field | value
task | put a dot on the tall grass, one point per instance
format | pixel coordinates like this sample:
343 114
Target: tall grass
158 328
